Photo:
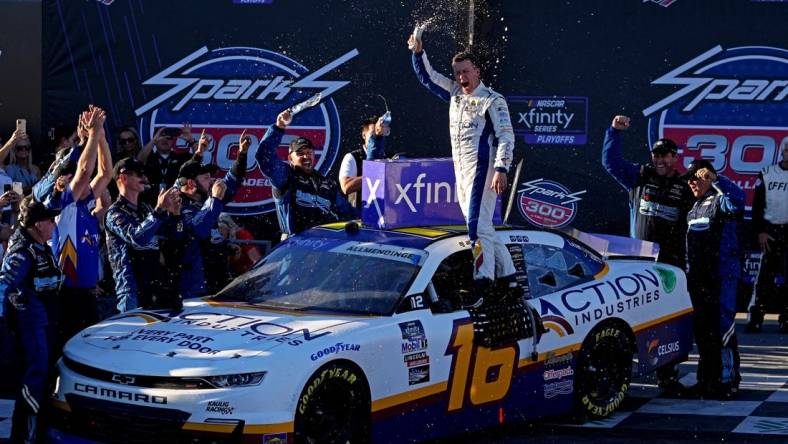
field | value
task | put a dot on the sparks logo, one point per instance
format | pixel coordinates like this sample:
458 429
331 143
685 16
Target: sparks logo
730 108
548 204
557 324
227 89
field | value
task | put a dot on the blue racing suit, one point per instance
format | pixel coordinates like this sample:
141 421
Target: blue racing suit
133 243
482 142
302 200
713 268
658 205
28 295
199 220
43 188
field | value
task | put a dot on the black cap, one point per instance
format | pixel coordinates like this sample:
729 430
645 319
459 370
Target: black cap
697 165
193 168
664 146
301 142
32 211
128 165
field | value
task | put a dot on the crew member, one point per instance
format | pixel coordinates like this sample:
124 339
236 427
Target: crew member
659 199
29 282
482 142
133 231
770 221
373 133
713 269
304 198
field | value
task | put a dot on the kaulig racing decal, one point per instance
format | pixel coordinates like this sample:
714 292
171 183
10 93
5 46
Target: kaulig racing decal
225 90
545 203
729 106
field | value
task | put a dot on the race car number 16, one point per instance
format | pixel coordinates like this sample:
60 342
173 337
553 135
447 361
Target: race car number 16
488 371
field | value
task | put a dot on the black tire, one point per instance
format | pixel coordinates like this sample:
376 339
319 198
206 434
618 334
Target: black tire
334 407
604 370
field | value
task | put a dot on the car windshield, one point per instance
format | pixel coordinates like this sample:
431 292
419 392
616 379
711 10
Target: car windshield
328 275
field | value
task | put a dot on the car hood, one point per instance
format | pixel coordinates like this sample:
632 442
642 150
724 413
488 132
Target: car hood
202 331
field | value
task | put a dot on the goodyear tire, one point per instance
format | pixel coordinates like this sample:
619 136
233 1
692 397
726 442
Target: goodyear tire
604 372
334 407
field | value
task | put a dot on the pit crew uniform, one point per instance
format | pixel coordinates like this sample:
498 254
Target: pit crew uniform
200 222
713 268
133 243
28 292
482 142
302 200
658 205
770 215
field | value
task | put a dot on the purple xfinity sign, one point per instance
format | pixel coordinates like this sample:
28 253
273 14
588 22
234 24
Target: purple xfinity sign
411 192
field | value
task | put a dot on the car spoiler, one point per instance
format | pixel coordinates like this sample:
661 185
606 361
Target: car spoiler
612 247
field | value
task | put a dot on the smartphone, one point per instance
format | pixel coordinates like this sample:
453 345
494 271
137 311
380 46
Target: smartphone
6 187
21 125
18 188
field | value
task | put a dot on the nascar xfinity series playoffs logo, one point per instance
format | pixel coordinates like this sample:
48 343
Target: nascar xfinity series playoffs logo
729 107
545 203
228 89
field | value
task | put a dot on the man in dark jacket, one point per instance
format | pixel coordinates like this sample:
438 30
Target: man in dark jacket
304 198
713 269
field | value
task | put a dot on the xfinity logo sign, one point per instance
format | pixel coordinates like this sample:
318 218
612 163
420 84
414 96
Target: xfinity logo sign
701 86
428 192
556 120
238 89
533 118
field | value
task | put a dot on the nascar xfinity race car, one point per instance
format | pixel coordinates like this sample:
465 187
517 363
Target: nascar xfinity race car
348 334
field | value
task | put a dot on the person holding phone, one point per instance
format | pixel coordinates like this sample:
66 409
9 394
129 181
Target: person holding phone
163 163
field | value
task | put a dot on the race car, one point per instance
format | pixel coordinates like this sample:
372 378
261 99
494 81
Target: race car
352 334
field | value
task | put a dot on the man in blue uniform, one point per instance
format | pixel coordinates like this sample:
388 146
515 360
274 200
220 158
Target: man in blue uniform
713 269
133 229
304 198
29 282
203 199
659 199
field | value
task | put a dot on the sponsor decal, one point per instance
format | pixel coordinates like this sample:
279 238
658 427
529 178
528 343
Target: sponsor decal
120 395
667 277
730 107
602 299
418 375
550 120
557 324
220 407
416 359
651 351
335 349
274 438
123 379
553 389
413 337
558 373
246 326
224 90
553 360
369 249
519 239
546 203
752 264
656 349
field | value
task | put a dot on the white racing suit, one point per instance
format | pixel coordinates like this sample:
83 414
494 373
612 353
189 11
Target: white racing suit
482 141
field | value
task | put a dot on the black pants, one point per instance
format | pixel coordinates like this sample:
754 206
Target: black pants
767 292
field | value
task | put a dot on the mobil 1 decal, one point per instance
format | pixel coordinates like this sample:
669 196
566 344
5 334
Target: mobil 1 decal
226 90
550 120
728 105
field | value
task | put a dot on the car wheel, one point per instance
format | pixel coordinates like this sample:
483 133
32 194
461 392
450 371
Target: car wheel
334 407
604 371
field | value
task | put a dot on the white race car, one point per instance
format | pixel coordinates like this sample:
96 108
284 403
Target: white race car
346 334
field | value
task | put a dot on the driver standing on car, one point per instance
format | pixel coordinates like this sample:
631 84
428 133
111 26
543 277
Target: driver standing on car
29 282
659 200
